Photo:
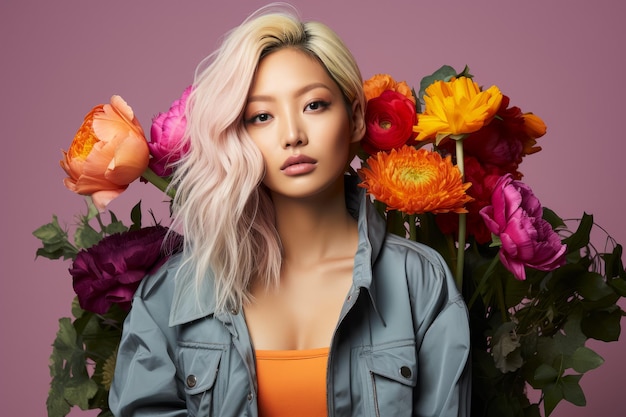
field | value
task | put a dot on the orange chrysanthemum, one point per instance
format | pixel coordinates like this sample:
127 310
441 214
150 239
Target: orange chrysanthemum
415 181
379 83
456 107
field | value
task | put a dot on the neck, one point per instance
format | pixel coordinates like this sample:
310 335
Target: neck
312 230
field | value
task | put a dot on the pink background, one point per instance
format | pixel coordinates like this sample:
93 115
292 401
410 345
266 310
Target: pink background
562 60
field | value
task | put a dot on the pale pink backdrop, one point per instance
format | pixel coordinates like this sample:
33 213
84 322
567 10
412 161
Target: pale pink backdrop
562 60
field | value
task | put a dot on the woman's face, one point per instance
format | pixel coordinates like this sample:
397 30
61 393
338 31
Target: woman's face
297 117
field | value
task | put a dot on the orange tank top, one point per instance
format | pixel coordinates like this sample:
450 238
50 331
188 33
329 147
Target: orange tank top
292 382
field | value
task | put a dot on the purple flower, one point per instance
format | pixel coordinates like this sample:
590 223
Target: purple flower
166 136
110 271
515 215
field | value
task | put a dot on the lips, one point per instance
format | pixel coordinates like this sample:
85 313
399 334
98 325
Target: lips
297 159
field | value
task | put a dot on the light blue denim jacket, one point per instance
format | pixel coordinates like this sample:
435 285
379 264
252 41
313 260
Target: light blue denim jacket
400 348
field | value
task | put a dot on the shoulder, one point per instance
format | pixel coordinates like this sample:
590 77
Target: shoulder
160 283
425 271
173 290
413 255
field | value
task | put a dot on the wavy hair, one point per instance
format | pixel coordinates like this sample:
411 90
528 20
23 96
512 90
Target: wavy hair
225 214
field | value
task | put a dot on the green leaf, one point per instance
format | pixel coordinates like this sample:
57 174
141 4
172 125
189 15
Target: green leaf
544 375
619 286
614 270
92 210
552 395
70 379
547 349
572 391
580 238
79 391
56 404
551 217
592 287
572 336
442 74
86 236
603 325
116 227
135 216
55 241
583 360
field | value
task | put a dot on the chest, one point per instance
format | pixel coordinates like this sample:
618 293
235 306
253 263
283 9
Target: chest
372 369
303 311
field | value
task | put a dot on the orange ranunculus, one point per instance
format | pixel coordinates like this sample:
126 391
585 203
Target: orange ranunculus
534 128
456 107
415 181
379 83
108 152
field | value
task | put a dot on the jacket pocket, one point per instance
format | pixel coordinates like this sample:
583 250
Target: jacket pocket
391 376
200 365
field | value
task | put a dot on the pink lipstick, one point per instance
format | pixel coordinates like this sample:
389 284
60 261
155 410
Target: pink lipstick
298 165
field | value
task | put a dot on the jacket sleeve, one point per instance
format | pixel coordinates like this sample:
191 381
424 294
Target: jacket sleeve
444 385
146 382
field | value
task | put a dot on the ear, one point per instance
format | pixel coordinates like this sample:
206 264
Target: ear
358 121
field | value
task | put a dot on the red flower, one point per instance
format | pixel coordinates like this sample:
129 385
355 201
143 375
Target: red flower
503 143
483 180
389 118
110 271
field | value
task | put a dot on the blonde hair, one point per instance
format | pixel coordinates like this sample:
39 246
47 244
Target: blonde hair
225 215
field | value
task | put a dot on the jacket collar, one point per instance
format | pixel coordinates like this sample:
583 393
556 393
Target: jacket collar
192 301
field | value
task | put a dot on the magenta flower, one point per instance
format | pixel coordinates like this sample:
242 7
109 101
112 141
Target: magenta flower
110 271
166 137
515 215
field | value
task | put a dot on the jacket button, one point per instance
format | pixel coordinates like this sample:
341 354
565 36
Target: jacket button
234 311
405 371
191 381
250 396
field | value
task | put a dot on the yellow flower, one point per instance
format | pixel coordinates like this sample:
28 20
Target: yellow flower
108 369
456 107
415 181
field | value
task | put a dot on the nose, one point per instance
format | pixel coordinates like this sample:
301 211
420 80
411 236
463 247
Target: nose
293 132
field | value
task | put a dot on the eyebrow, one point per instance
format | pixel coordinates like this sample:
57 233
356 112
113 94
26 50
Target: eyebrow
298 92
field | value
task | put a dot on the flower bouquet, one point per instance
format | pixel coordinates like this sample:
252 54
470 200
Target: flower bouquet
535 285
108 152
446 175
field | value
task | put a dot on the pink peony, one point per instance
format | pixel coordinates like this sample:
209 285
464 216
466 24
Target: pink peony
515 215
110 271
166 137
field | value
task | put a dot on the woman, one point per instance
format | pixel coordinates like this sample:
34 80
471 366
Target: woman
289 299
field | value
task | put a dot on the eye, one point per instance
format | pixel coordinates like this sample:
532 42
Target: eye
259 118
317 105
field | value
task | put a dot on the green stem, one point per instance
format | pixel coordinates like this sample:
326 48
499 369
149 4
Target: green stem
500 299
159 182
460 259
413 227
483 281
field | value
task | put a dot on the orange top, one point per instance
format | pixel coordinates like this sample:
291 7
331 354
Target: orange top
292 382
